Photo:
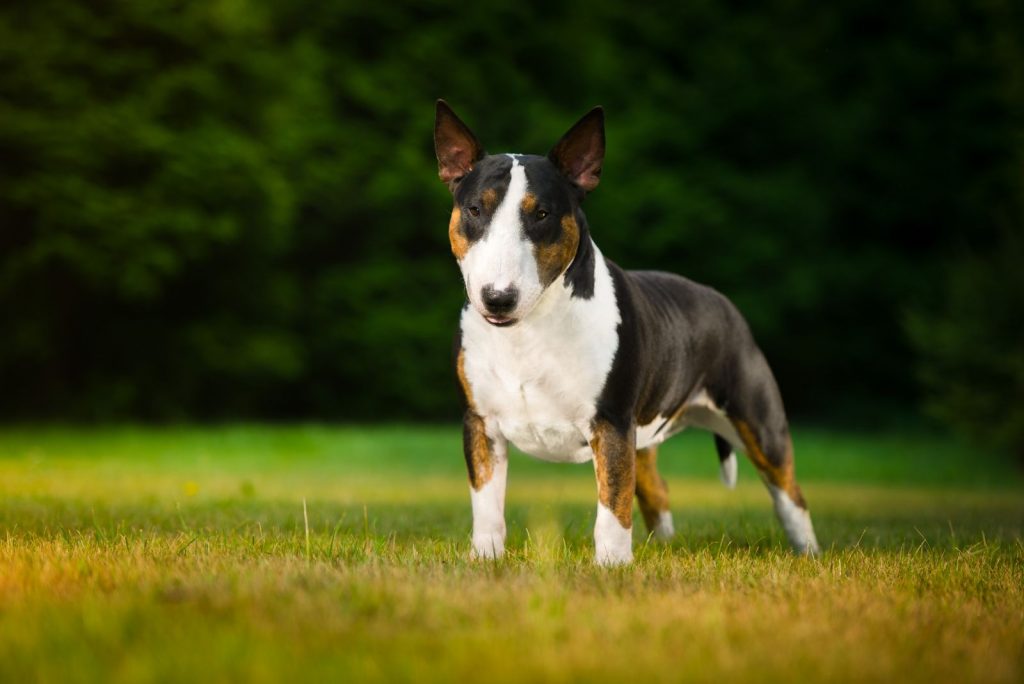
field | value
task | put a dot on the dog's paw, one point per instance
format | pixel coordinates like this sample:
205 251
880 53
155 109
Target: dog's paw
607 557
809 547
488 546
664 530
613 543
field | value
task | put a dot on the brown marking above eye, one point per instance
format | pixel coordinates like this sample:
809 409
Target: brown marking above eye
460 245
489 199
554 258
529 203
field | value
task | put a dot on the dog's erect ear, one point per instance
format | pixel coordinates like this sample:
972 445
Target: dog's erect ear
456 147
580 152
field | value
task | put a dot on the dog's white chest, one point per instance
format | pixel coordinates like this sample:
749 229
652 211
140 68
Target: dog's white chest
538 382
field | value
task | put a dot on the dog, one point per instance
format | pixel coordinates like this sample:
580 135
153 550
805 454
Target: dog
573 359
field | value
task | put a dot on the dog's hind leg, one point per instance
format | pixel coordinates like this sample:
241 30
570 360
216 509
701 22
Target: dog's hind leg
771 451
652 494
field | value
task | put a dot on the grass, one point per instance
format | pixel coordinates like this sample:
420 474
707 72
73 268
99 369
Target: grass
312 553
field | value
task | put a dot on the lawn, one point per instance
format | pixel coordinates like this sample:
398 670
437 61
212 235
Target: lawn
131 554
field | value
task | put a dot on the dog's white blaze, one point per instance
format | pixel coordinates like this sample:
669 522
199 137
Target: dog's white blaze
504 257
539 380
489 508
795 521
613 543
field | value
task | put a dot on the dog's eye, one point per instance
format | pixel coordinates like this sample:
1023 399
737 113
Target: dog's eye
541 214
475 211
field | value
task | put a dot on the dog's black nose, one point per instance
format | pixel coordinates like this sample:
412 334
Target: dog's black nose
499 301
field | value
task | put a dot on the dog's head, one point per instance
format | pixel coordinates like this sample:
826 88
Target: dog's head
515 228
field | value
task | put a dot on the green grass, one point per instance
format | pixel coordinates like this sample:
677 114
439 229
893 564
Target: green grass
183 554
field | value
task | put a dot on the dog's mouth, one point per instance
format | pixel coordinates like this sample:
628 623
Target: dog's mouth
499 321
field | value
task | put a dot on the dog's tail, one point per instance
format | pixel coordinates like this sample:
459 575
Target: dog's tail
726 462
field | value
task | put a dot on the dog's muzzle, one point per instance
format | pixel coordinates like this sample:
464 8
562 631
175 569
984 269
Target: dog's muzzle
499 303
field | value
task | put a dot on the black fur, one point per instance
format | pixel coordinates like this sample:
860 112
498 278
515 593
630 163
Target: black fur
677 337
723 448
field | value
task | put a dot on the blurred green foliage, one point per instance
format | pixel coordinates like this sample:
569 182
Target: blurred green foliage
230 208
972 349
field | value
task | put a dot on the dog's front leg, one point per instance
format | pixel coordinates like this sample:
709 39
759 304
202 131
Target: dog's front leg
615 467
487 463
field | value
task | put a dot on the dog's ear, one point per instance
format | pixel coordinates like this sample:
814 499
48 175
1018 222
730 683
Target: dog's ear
580 152
456 147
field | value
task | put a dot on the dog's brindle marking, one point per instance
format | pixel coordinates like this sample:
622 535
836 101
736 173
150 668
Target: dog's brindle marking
593 362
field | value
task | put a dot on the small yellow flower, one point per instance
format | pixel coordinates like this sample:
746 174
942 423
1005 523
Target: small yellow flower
191 488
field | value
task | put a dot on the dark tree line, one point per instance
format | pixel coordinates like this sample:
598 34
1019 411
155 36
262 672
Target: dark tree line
230 209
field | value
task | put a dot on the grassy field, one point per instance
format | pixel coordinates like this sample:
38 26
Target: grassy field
182 554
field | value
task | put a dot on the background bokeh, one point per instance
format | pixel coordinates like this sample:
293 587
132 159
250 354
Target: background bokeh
230 209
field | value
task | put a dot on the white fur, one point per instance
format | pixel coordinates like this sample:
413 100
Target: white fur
504 257
613 543
698 411
795 521
727 470
701 412
664 530
489 505
539 380
649 435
